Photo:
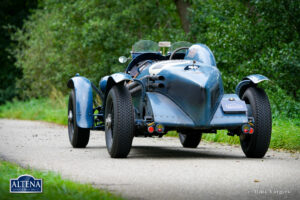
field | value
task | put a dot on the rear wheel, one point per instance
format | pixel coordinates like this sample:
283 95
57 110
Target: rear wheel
190 139
257 144
79 137
119 121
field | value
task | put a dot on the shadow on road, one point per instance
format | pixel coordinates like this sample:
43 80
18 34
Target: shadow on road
175 152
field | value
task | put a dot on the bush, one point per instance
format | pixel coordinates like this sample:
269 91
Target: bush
66 37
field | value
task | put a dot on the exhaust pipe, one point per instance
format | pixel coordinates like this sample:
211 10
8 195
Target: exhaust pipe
157 85
155 78
136 86
132 85
136 89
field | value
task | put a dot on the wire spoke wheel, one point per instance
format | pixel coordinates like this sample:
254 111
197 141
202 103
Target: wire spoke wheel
109 127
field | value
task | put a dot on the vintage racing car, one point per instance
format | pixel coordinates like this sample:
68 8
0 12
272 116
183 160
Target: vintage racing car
169 87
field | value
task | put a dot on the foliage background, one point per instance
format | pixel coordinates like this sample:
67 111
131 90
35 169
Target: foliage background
61 38
12 14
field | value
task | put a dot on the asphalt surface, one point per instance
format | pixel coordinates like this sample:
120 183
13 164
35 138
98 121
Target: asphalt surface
156 168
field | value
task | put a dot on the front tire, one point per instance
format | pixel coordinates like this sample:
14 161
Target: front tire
257 144
119 121
190 140
79 137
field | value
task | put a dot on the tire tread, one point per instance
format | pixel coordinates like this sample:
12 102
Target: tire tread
124 122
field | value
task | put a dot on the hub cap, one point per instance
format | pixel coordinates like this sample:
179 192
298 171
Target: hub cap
70 116
108 121
70 125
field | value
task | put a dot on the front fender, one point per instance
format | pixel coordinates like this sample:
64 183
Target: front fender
248 81
256 78
84 101
108 81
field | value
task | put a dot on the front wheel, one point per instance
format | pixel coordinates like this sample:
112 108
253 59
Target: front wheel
257 144
119 121
79 137
190 139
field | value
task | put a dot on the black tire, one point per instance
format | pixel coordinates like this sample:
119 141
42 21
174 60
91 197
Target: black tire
119 121
257 144
190 139
79 137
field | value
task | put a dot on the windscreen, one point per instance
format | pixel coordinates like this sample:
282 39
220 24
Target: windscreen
145 46
177 45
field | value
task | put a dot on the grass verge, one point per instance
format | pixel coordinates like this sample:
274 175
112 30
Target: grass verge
46 109
285 132
54 187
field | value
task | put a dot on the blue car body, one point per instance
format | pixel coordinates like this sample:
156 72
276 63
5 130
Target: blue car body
183 93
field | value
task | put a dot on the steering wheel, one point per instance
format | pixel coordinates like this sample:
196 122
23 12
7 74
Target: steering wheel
175 51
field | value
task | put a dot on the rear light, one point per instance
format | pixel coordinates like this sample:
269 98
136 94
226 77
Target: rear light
246 128
150 129
251 131
159 128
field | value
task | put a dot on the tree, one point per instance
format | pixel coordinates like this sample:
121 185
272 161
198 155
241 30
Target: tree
182 8
12 15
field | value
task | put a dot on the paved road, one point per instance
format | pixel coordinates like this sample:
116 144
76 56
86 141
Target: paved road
156 168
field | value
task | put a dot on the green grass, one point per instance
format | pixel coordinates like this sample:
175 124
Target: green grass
54 187
285 133
47 109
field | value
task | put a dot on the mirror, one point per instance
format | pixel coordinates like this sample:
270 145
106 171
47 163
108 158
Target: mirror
122 59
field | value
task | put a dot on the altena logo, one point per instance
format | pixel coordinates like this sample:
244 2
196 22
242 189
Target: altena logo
26 184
